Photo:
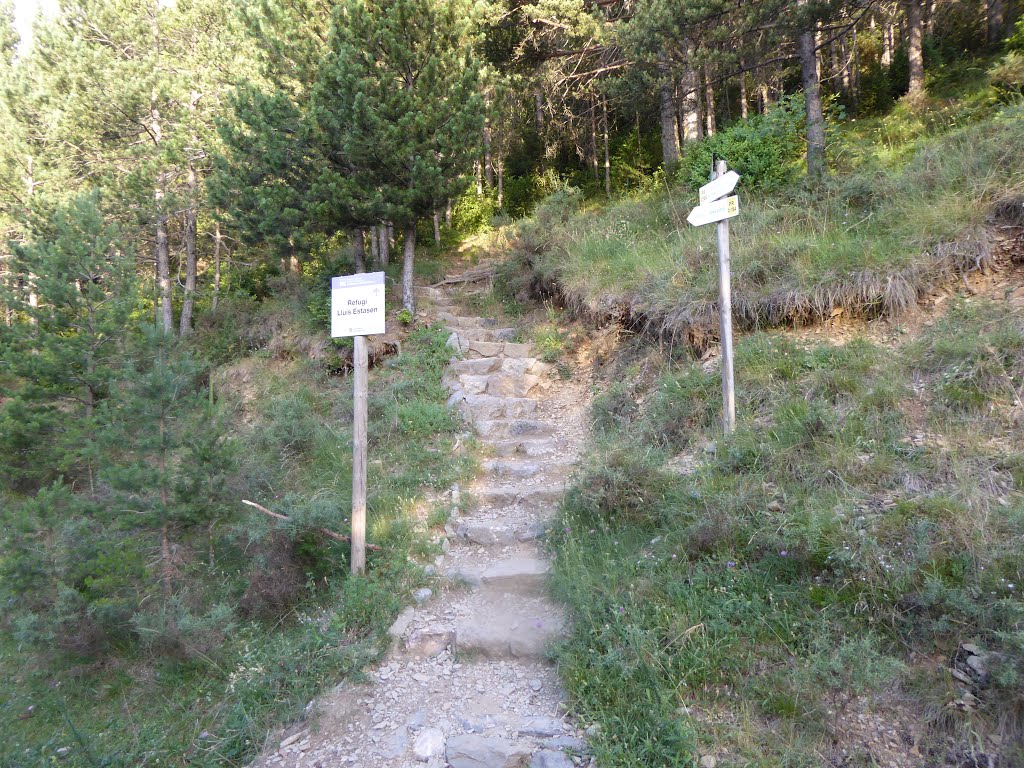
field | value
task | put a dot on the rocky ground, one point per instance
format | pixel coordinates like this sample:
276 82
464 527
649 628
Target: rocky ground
469 683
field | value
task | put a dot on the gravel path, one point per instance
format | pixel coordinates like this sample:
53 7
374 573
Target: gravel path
468 683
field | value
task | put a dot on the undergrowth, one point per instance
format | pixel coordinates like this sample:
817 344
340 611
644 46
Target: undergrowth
865 519
287 620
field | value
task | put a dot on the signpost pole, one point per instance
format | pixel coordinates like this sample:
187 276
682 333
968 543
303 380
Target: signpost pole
359 400
725 317
357 310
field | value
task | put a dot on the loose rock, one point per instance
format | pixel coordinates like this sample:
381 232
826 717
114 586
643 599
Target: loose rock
429 744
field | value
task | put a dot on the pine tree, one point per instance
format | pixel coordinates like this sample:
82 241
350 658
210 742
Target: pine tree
65 344
263 174
397 101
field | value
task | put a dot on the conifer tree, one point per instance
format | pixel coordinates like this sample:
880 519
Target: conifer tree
397 99
65 344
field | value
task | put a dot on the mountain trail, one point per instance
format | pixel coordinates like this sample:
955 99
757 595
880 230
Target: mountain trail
468 683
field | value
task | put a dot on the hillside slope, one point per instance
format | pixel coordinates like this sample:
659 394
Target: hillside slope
900 217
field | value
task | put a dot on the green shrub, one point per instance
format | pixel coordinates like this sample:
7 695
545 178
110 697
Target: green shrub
763 149
472 213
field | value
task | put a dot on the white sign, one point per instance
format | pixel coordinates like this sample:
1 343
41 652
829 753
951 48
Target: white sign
716 211
357 304
723 185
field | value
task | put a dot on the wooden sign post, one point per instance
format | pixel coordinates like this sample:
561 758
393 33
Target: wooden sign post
713 208
725 317
357 309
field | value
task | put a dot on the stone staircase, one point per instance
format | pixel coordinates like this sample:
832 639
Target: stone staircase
469 683
499 387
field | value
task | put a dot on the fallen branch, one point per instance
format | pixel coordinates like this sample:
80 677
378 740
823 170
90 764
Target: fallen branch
472 276
324 531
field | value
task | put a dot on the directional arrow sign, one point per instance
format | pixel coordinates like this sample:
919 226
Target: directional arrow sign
721 186
716 211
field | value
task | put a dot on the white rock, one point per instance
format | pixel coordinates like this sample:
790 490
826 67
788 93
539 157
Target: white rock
429 744
402 622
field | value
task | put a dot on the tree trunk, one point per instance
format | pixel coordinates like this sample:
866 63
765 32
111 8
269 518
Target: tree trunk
538 111
834 67
163 265
479 178
690 85
190 235
996 10
385 245
854 69
500 169
437 228
669 133
374 248
593 161
812 97
845 64
887 43
448 213
488 155
709 99
216 263
915 53
744 109
408 259
359 249
163 255
607 156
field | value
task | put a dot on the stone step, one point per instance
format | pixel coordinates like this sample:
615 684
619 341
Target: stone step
483 365
474 407
520 429
521 573
520 468
500 384
476 349
436 294
533 448
498 534
512 626
456 322
531 497
485 334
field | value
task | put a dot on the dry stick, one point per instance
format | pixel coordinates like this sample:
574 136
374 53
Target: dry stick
472 276
324 531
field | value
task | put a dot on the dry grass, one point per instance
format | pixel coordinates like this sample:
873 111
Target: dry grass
868 244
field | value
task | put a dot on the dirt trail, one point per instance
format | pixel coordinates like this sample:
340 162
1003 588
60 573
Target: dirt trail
468 683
